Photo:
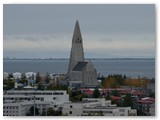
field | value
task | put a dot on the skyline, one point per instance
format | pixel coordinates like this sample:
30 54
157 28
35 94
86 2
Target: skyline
108 31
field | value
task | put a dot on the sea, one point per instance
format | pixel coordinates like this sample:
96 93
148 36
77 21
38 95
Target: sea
131 68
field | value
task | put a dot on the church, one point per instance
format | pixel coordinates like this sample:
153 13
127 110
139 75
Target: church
81 73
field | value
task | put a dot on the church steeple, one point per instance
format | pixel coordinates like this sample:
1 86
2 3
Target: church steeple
77 37
77 53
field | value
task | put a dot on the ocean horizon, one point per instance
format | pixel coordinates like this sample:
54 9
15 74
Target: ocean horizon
130 67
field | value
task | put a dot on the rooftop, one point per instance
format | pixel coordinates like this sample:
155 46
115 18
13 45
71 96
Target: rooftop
80 66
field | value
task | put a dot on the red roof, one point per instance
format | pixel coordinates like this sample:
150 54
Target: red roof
147 100
90 92
115 98
137 92
124 91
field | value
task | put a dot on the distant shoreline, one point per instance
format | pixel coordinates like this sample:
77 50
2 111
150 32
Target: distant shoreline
86 59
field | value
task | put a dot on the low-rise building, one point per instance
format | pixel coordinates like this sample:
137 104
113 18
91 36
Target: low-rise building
30 75
5 75
146 106
58 97
97 107
17 75
18 102
22 108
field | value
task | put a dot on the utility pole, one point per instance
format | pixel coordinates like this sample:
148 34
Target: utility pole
34 111
34 104
46 110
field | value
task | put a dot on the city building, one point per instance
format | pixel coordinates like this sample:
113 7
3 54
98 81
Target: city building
5 75
81 73
22 108
18 102
58 97
96 107
17 75
146 106
30 75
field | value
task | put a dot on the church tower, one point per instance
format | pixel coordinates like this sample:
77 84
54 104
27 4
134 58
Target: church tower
77 53
80 72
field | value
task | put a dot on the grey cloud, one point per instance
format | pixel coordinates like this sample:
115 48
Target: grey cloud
106 40
106 18
34 38
52 26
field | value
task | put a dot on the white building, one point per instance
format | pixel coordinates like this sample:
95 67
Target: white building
19 101
22 108
5 75
30 75
17 75
58 97
93 106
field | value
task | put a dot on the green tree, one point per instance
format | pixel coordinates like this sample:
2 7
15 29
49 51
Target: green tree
38 78
100 113
47 78
52 112
96 93
128 100
10 76
40 86
31 111
152 94
114 81
43 113
115 93
108 97
8 84
59 87
23 76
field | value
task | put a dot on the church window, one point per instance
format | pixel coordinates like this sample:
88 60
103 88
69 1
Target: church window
78 40
70 112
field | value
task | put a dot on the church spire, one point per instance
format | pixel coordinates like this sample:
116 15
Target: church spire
77 53
77 33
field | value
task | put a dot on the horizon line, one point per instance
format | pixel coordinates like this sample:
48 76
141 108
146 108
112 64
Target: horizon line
14 58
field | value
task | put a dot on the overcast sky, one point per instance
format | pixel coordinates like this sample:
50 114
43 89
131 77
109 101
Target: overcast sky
108 31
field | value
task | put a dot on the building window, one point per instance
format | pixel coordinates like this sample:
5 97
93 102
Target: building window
70 112
71 106
42 99
121 110
121 114
48 93
37 98
55 106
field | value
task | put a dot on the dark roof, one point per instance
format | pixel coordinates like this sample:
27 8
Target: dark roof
79 66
